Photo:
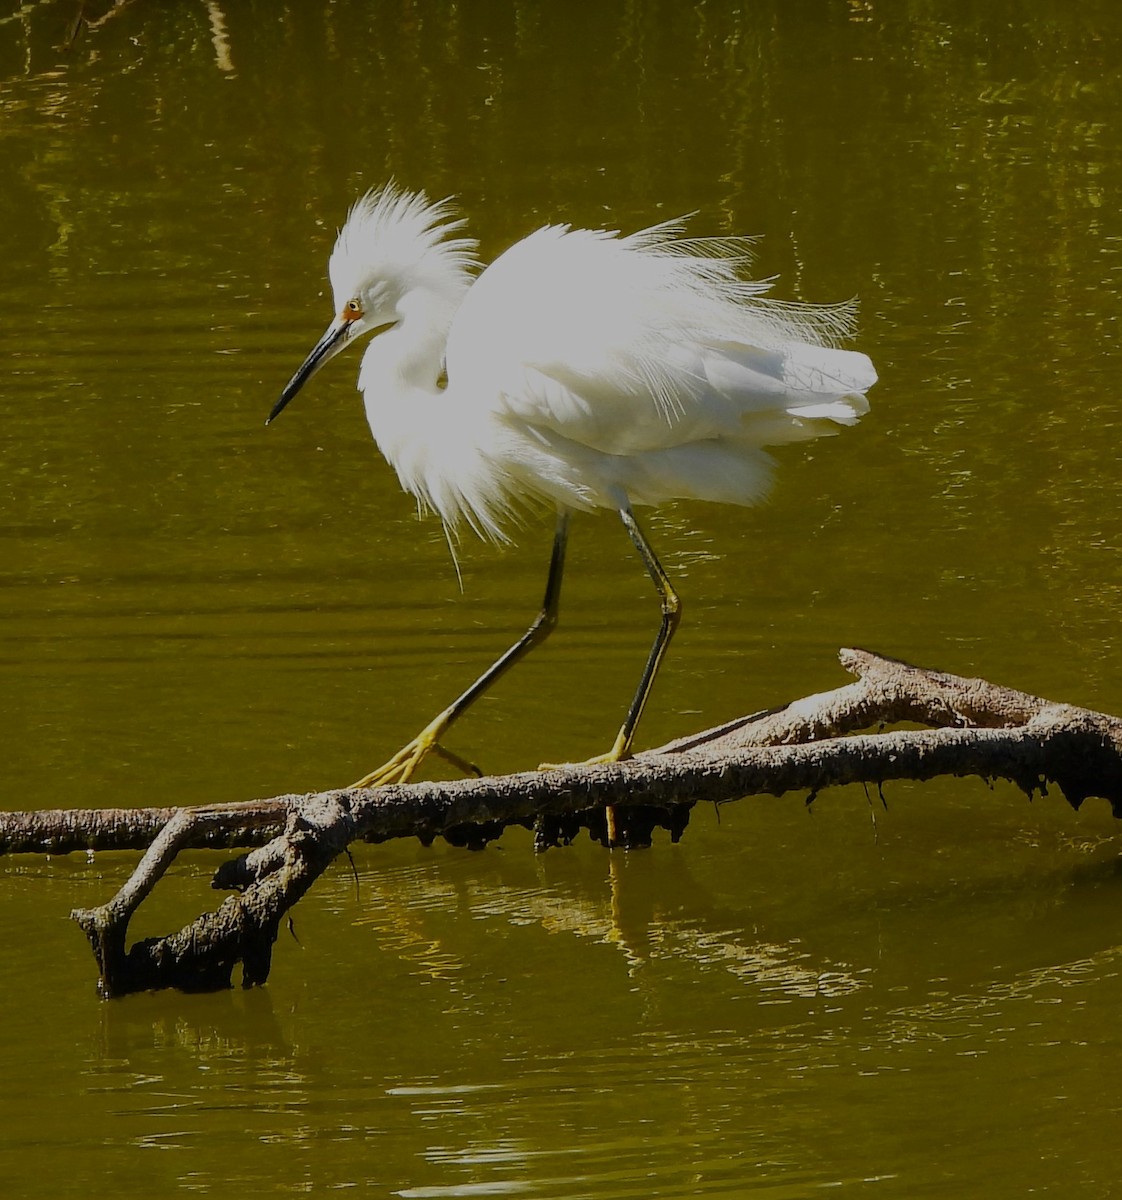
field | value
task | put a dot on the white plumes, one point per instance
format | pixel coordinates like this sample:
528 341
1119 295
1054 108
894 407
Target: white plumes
397 235
583 368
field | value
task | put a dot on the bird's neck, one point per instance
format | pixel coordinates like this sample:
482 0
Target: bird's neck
428 432
409 357
401 381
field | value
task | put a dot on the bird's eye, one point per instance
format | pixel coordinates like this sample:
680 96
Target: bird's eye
353 306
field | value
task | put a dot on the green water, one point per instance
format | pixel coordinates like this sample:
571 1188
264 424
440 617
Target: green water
918 1000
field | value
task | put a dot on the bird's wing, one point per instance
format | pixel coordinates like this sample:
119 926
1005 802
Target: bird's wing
631 344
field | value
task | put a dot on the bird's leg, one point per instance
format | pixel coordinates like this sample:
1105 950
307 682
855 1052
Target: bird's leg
671 614
400 768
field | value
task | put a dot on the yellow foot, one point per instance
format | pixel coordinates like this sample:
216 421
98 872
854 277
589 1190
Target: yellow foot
400 768
617 753
588 762
621 750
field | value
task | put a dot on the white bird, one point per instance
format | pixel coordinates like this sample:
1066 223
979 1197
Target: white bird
582 369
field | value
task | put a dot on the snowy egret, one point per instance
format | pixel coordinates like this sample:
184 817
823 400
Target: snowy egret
582 369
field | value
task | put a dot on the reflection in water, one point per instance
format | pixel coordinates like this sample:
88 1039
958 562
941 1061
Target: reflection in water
236 1026
220 34
626 914
976 1018
521 1027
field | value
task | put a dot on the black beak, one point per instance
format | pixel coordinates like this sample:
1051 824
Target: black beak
333 340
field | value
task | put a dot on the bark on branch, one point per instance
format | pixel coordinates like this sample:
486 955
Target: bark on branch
972 727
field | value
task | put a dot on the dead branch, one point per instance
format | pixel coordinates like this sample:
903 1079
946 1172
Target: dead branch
972 727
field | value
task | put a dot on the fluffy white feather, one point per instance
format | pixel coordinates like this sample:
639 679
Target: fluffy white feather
582 367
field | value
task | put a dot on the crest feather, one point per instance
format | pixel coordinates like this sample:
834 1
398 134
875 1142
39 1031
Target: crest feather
392 232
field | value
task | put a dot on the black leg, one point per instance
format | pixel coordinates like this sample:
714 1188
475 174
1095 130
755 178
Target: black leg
671 614
400 768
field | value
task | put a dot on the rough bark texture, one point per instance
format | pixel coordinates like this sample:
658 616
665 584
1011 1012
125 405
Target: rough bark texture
972 728
202 956
61 830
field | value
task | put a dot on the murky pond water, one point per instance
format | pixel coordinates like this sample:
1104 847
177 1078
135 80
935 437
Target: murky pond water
912 1000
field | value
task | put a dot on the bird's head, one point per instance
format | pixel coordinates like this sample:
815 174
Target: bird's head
394 244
